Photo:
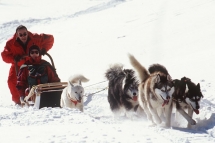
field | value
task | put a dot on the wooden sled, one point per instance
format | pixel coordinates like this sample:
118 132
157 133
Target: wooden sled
46 95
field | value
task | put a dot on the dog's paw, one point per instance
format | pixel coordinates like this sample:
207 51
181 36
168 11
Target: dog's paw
152 125
193 122
158 121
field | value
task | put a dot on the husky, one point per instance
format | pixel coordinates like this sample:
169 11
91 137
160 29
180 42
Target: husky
155 91
187 95
122 90
72 95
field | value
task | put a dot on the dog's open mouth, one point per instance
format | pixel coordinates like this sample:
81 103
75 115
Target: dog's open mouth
165 102
195 110
134 98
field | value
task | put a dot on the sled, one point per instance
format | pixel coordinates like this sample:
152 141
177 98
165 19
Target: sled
44 95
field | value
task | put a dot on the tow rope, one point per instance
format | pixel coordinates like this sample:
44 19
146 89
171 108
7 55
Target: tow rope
97 91
95 84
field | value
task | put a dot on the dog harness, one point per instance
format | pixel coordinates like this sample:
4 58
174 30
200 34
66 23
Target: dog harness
72 100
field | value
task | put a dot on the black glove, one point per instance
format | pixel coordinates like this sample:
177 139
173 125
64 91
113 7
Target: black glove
32 70
17 58
43 51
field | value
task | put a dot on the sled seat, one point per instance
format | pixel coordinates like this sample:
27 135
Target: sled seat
47 95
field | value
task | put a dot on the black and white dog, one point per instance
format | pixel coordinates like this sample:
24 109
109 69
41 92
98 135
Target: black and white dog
187 95
122 90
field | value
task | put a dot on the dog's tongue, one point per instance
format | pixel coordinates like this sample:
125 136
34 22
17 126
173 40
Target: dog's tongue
165 102
135 98
196 111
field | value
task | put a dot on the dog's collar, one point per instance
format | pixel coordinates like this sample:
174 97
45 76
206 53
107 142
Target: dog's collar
72 100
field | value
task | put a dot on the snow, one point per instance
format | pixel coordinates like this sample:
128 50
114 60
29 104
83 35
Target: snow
92 34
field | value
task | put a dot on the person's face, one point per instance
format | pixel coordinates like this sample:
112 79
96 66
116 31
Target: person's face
34 54
22 34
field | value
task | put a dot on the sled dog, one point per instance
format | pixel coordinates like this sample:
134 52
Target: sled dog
72 95
122 90
155 91
187 95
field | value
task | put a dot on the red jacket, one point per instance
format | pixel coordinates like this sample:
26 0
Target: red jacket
22 78
13 48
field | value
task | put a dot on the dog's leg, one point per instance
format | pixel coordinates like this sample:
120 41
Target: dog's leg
62 99
81 106
153 110
140 112
149 116
168 113
129 114
185 115
191 122
155 115
160 111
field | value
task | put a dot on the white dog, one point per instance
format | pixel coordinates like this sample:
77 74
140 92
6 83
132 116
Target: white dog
72 95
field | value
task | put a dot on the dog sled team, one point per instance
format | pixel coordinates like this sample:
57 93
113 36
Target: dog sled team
139 90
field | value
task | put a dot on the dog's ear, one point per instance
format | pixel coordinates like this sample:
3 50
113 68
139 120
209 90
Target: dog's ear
157 79
169 78
186 89
71 83
198 86
123 84
79 82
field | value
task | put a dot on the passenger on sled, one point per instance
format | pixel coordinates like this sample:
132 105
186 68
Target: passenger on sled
33 72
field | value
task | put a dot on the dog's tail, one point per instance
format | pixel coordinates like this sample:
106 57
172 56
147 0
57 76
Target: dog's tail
142 72
114 71
78 77
157 68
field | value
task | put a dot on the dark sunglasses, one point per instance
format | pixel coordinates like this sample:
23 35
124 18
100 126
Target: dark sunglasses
24 34
36 52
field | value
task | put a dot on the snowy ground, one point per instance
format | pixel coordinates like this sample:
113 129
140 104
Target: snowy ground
90 35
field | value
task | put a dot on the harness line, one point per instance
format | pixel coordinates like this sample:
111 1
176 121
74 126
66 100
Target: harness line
97 91
95 83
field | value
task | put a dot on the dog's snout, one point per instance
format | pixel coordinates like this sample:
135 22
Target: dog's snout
168 97
80 98
134 93
197 107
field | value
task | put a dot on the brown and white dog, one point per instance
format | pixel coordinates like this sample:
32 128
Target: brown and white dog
155 91
72 95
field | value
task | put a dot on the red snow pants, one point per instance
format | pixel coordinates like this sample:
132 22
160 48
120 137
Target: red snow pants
12 79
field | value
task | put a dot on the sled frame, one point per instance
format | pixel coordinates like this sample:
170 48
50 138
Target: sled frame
47 95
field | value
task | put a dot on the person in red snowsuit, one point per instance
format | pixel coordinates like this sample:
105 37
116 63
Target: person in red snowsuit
18 46
34 71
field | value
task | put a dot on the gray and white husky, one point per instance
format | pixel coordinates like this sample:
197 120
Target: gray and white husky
72 95
122 90
155 91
